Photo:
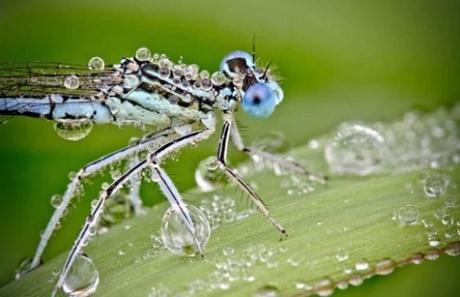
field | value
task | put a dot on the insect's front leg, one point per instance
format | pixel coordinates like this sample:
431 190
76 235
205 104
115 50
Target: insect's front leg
290 165
238 181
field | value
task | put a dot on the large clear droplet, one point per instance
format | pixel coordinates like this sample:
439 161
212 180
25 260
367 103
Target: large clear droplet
178 239
96 63
207 174
72 82
82 279
356 149
73 130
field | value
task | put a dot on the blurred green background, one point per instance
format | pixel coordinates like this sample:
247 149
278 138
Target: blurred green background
339 60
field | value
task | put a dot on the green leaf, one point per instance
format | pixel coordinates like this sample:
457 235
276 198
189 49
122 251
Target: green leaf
339 234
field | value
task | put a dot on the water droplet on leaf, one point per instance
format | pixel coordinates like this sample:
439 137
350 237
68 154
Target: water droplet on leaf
82 279
177 237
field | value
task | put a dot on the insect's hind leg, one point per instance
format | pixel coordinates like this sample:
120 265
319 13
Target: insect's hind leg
238 181
289 165
75 183
153 159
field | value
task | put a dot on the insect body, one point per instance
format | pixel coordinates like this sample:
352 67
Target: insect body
177 99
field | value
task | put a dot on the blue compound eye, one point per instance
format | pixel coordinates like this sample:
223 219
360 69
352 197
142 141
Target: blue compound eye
236 62
259 100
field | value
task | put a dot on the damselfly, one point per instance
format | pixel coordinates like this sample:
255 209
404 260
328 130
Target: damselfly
179 100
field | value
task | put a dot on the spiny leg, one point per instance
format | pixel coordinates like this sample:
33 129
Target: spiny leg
87 170
290 165
153 159
235 178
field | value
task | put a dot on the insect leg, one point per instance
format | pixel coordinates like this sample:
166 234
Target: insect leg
290 165
236 179
153 159
86 171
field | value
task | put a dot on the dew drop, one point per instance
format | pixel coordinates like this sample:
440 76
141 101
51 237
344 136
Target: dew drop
71 82
432 255
267 291
143 54
408 215
207 174
56 200
356 149
73 130
361 265
355 280
453 249
218 78
273 142
178 239
384 267
435 185
416 259
342 255
324 287
130 81
96 63
82 279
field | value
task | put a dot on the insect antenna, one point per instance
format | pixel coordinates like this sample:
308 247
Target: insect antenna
254 47
264 76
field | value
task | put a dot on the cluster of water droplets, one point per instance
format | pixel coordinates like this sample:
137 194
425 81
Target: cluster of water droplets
418 141
222 210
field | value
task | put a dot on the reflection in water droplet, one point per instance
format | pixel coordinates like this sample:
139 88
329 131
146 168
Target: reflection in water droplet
73 130
408 215
267 291
178 239
435 185
96 63
82 279
356 149
72 82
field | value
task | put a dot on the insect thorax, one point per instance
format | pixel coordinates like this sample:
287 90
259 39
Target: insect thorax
159 92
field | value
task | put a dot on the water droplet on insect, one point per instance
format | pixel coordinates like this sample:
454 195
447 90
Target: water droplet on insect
435 185
23 267
207 174
82 279
96 63
384 267
73 130
71 82
267 291
143 54
178 239
356 149
408 215
130 81
56 200
218 78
